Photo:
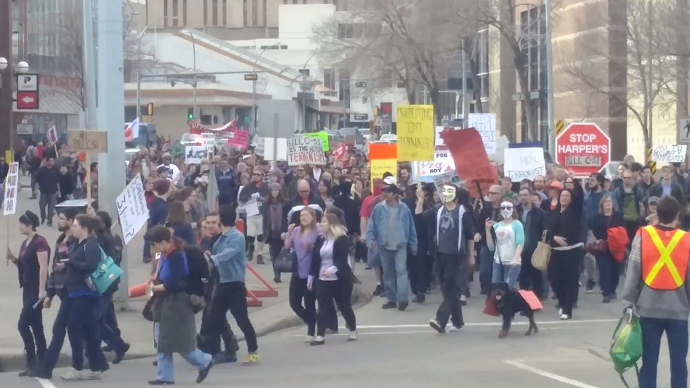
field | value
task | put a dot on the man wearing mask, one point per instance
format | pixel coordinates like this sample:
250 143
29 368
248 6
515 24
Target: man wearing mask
231 346
258 191
454 245
65 184
173 170
534 223
490 210
225 176
294 206
47 179
392 229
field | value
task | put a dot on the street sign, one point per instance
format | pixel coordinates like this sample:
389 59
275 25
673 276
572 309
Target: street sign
251 77
27 100
583 148
684 130
27 82
81 140
360 117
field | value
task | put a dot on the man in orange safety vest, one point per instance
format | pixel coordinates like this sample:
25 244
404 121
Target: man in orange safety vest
656 286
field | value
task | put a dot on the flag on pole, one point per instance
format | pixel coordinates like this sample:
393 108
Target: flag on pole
132 130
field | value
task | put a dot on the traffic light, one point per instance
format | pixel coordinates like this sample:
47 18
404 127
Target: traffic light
190 113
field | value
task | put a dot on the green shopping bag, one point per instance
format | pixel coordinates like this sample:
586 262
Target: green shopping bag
626 345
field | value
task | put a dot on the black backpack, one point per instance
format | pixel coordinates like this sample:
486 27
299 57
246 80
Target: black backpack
198 270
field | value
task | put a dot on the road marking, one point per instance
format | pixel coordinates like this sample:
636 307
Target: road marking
549 375
480 324
46 383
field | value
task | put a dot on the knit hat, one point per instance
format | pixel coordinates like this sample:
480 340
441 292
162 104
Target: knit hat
274 186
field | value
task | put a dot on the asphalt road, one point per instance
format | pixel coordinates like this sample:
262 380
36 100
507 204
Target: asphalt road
399 349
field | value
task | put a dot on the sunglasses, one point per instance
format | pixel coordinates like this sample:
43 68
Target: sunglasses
506 208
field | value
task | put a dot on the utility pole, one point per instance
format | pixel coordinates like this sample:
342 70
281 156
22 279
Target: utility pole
464 87
111 118
89 65
6 76
551 135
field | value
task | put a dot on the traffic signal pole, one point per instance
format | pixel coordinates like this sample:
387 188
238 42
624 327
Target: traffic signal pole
6 112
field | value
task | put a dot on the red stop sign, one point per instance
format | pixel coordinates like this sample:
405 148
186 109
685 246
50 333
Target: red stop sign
583 148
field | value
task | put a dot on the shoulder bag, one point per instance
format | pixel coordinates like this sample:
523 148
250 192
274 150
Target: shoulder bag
541 255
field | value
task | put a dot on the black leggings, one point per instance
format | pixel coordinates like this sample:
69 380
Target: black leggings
563 275
328 291
30 327
307 313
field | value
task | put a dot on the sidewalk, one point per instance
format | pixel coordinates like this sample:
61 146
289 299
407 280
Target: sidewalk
274 315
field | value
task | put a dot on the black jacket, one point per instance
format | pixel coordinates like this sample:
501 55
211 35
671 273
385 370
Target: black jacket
676 192
83 261
421 225
250 189
350 205
56 279
295 205
4 170
537 221
341 250
65 184
47 179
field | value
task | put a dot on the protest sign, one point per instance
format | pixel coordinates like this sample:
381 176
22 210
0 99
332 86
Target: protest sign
11 188
439 180
194 154
52 134
132 209
443 162
383 151
239 139
209 143
340 153
669 153
524 163
485 124
471 162
323 135
415 133
305 150
501 144
260 146
382 166
87 141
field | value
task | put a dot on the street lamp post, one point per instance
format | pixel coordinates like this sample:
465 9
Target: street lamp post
304 89
7 71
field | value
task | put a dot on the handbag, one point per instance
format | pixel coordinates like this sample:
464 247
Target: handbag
598 246
105 274
542 255
284 261
147 313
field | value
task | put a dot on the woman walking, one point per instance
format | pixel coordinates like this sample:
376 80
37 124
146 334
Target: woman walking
173 316
179 222
32 265
302 239
565 226
608 267
324 188
272 217
333 277
510 240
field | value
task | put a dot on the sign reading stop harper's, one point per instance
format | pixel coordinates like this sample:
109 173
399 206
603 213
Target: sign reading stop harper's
583 148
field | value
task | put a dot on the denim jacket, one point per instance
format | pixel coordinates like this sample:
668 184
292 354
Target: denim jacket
378 225
229 256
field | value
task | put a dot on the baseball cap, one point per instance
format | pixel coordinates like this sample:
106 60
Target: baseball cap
391 188
389 181
653 199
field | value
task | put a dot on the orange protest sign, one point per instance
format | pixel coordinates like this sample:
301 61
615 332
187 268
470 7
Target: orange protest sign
383 151
471 163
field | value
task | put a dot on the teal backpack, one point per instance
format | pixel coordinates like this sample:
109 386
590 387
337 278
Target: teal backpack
105 274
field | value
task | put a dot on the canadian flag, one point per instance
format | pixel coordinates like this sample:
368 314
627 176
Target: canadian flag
132 130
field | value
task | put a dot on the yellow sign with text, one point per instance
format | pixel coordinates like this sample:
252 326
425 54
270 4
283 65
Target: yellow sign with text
416 133
382 166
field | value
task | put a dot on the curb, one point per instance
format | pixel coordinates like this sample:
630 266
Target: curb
16 362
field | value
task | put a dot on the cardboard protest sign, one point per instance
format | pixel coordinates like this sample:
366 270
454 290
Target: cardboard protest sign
416 133
383 151
194 154
382 166
323 135
305 150
443 162
132 209
485 124
11 189
524 163
239 140
501 144
471 162
260 146
669 153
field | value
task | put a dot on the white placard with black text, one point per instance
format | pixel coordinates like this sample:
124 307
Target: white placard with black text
485 124
669 153
132 209
305 150
11 188
524 163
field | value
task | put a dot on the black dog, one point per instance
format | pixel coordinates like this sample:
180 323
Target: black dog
508 302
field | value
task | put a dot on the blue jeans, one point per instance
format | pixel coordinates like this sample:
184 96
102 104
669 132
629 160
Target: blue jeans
373 257
395 273
608 273
677 335
166 370
486 258
509 274
107 323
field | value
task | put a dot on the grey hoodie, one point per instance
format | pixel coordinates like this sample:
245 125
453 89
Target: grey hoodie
653 303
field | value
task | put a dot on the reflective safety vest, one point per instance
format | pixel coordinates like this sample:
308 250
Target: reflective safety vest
664 258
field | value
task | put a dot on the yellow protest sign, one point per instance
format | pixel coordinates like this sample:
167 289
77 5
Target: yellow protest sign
323 135
416 133
382 166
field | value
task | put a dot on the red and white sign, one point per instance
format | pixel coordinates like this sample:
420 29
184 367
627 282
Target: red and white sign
52 134
11 189
27 100
583 148
340 153
239 140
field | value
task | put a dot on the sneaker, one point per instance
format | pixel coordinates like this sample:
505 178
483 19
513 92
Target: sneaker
43 221
260 259
318 341
389 305
251 359
560 311
92 375
378 290
402 306
204 373
276 279
454 329
420 298
121 354
565 317
352 336
607 299
463 300
308 339
225 358
434 325
30 372
590 286
614 296
74 375
161 382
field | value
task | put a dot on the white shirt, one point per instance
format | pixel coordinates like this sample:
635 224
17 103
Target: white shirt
173 172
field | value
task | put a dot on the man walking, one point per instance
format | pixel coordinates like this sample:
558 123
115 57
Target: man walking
593 196
630 200
534 221
391 228
656 285
47 179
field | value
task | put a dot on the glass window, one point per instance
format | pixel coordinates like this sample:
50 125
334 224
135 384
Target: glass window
344 86
329 78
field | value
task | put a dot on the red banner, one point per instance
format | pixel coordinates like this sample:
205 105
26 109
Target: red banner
471 162
198 128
